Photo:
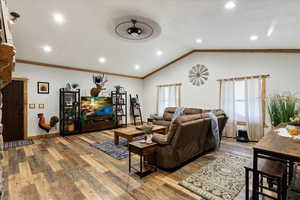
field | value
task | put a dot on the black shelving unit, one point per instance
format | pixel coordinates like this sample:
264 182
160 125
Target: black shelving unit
119 100
69 111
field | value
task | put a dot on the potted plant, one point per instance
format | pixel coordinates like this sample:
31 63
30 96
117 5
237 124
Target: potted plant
118 87
115 118
82 119
71 118
75 86
148 131
282 108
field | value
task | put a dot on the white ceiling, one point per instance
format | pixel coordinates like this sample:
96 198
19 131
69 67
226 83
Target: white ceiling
88 32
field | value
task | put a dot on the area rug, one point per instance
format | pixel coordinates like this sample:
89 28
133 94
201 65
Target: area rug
116 151
17 143
222 179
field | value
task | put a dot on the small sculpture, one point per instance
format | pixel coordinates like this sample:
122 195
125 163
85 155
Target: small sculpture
42 122
100 81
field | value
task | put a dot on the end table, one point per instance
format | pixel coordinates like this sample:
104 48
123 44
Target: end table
142 149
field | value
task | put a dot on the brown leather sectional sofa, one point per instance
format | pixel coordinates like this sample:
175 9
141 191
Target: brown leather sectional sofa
166 119
188 137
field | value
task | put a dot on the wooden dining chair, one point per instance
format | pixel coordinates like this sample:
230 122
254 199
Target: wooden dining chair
275 172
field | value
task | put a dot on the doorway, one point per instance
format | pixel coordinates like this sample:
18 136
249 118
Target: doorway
14 111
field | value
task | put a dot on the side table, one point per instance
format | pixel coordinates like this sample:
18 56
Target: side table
142 149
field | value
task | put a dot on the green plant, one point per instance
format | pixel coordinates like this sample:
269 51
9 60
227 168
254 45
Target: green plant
114 117
71 113
282 108
75 85
148 130
82 119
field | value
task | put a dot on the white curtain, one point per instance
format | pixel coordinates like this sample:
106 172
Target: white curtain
254 115
242 102
167 96
228 105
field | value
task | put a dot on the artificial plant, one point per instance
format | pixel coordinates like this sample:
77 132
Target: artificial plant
282 108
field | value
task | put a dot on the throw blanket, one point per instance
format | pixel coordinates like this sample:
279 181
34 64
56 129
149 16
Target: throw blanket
215 129
178 112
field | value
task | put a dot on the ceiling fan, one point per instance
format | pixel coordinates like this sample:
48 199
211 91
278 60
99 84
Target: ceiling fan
134 30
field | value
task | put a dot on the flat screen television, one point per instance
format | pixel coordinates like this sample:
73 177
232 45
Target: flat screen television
96 105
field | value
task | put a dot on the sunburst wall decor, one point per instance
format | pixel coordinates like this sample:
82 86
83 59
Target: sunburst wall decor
198 75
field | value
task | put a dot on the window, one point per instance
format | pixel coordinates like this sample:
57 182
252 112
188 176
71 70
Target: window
243 99
168 96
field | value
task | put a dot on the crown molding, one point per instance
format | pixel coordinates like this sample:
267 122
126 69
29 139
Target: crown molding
29 62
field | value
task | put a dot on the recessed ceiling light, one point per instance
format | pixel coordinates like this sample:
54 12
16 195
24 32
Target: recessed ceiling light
230 5
58 18
253 37
198 41
137 67
159 53
102 60
47 48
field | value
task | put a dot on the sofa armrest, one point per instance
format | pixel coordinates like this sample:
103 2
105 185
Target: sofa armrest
158 117
160 139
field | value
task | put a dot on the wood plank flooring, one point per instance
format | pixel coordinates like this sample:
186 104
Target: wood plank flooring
69 168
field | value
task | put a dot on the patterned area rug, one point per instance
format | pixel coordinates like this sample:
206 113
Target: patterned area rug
18 143
116 151
222 179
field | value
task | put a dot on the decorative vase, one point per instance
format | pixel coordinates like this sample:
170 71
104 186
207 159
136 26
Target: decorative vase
71 127
149 138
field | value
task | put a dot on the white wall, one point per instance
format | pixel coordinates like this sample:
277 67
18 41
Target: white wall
283 68
58 78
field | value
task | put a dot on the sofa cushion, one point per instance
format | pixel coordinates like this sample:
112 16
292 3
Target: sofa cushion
168 116
172 130
186 118
218 112
191 111
170 109
162 123
160 139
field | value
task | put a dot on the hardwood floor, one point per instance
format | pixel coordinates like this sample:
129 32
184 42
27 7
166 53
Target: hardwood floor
69 168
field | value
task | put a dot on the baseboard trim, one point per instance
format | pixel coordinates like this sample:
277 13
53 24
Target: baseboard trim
43 136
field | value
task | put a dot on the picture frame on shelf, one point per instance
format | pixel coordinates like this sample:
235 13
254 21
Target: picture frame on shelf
43 87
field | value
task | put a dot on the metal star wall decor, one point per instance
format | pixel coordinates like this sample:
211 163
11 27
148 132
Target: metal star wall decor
198 75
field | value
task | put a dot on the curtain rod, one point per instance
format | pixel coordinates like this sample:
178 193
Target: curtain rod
169 85
244 78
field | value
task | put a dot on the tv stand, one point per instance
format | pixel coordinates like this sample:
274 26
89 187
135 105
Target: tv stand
97 123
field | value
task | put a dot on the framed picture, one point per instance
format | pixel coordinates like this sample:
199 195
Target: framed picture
32 106
41 106
43 87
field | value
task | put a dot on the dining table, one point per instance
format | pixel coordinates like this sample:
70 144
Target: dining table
278 147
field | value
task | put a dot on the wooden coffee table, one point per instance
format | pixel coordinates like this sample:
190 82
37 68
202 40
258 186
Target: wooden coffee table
131 132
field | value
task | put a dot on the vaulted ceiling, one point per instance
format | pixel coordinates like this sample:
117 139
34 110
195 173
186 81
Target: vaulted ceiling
88 30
